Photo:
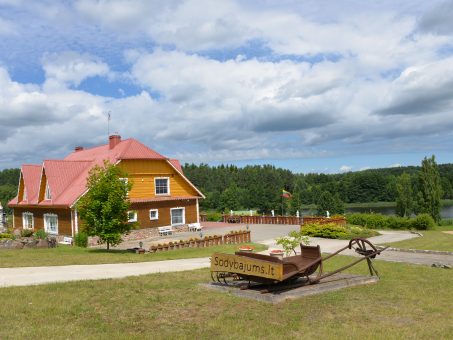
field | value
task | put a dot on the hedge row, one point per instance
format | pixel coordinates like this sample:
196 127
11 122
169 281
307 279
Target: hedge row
335 231
378 221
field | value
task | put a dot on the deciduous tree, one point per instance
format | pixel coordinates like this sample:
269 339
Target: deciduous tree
430 188
104 207
404 199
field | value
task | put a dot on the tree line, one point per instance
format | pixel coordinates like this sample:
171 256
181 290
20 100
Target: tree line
260 186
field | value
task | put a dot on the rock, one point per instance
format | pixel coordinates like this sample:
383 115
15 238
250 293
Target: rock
16 245
42 244
16 232
31 244
441 265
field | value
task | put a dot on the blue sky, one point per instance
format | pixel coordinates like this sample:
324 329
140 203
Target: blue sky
313 86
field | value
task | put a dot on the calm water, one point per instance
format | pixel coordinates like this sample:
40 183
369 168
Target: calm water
446 212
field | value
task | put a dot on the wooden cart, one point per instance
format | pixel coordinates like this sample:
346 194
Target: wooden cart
271 270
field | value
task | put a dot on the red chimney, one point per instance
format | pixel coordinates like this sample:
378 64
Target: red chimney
114 140
78 148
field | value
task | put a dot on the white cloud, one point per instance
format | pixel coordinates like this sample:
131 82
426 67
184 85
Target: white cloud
71 68
345 168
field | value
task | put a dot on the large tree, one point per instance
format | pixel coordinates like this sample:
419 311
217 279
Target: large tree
430 188
404 198
331 203
104 207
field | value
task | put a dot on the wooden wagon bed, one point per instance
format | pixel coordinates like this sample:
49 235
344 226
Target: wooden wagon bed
267 269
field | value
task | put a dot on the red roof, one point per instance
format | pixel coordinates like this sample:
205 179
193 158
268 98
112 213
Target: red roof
126 149
67 178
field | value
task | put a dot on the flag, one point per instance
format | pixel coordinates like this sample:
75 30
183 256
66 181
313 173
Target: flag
286 194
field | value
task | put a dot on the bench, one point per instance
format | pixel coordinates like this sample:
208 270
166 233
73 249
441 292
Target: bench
195 227
66 240
165 231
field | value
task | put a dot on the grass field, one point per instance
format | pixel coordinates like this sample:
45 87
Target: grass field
431 240
68 255
409 302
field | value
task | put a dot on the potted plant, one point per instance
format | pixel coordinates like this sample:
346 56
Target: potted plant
165 247
170 246
246 249
152 249
277 253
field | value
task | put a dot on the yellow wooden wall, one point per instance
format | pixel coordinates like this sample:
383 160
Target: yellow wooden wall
141 174
42 188
20 196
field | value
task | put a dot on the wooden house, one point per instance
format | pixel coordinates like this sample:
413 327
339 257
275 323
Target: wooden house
161 195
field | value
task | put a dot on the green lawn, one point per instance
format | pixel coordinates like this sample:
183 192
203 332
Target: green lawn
431 240
409 302
68 255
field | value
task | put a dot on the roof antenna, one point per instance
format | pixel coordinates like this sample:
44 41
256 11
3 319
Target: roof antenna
108 123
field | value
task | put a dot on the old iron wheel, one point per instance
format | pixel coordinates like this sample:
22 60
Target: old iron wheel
363 247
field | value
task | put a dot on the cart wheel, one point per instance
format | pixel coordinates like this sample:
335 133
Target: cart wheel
227 277
362 246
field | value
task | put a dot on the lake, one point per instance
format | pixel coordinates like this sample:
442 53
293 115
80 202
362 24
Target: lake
446 211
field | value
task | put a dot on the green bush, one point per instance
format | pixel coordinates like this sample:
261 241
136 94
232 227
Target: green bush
214 216
26 233
41 234
324 230
446 221
6 236
81 240
336 231
378 221
423 222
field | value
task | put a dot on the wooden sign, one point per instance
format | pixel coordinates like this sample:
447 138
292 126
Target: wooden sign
246 265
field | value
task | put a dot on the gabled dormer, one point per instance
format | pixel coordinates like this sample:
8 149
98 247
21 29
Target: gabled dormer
21 189
44 189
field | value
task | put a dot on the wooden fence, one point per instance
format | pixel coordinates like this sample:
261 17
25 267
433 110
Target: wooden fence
243 219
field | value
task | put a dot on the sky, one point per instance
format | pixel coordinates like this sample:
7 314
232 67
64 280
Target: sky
308 85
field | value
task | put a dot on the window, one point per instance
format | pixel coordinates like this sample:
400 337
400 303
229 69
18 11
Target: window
177 216
27 220
162 185
125 180
132 216
48 196
51 223
153 214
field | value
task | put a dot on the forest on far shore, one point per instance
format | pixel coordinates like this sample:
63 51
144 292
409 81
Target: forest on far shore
260 186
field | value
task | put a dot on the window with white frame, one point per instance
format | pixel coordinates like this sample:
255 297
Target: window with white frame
27 220
47 196
177 216
153 214
51 223
132 216
125 180
162 185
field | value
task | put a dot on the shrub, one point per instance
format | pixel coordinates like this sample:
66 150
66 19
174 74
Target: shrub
41 234
26 233
446 221
81 240
214 216
396 222
329 230
6 236
335 231
423 222
290 242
